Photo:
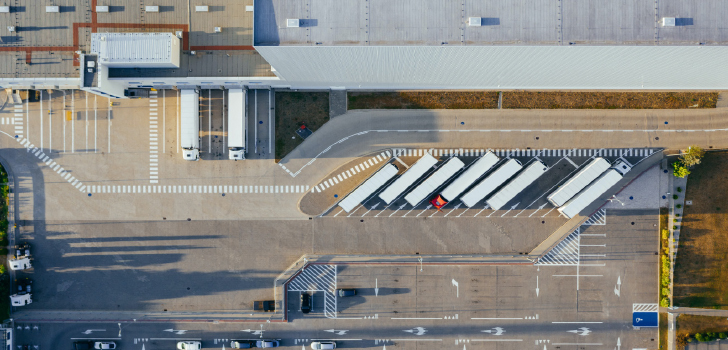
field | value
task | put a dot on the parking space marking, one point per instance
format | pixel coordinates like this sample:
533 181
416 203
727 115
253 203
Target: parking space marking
318 278
566 253
51 164
189 189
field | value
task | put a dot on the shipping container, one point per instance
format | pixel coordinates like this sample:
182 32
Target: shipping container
427 187
409 177
578 182
532 172
368 187
590 193
491 182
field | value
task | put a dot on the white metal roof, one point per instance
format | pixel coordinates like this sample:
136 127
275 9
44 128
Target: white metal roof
236 118
501 67
435 180
368 187
518 184
490 183
591 193
144 50
408 178
474 172
577 182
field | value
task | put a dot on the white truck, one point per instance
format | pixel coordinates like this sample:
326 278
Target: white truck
21 258
532 172
368 187
190 124
408 178
491 182
472 174
590 193
576 183
237 119
446 171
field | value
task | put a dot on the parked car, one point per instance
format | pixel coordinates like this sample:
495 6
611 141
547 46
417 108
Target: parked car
83 345
325 345
267 344
104 345
189 345
306 303
242 344
348 292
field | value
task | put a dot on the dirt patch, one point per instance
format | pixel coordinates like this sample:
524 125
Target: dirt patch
294 109
609 100
423 100
663 330
701 267
689 325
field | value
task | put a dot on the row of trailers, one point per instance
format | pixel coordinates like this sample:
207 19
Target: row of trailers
190 124
499 184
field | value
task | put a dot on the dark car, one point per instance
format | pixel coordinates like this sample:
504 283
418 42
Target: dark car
267 344
242 344
306 303
349 292
83 345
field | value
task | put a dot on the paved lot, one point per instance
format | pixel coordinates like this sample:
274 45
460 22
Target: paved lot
486 306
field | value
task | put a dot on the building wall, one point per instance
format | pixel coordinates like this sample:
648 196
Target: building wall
500 67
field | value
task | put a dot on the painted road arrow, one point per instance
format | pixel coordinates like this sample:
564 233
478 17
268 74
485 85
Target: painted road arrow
179 331
376 287
416 331
89 331
341 332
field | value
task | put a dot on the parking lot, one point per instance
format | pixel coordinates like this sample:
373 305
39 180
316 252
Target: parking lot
530 203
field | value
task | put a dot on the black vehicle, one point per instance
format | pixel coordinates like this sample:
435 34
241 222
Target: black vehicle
306 303
83 345
24 284
242 344
349 292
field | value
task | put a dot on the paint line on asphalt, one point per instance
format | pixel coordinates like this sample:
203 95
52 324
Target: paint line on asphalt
577 344
97 339
200 339
338 339
575 321
415 339
496 318
417 318
496 339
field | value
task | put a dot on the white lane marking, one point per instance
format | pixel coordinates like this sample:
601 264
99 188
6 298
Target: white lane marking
496 318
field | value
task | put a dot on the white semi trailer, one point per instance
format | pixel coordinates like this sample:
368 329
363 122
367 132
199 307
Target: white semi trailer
190 124
472 174
368 187
590 193
578 182
532 172
435 180
237 119
408 178
491 182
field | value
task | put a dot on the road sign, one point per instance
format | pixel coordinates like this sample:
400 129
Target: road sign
644 319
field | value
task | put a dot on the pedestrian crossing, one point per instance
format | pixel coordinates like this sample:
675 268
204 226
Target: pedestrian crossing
16 120
383 157
566 253
210 189
153 138
517 152
64 173
317 278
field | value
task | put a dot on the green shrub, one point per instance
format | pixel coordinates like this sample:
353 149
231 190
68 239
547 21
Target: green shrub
665 280
677 215
674 220
674 227
699 337
675 197
666 291
664 302
678 206
722 335
680 170
665 234
679 189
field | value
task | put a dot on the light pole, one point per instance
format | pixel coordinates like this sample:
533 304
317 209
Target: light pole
420 260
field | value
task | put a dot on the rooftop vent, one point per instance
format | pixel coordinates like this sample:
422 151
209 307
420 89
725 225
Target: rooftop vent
202 9
4 9
248 8
475 21
668 21
151 8
53 9
218 29
293 23
102 9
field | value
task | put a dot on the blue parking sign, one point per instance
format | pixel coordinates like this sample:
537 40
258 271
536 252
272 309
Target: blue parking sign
644 319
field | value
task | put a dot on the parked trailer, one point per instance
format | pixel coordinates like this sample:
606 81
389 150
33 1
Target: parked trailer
490 183
408 178
368 187
517 185
474 172
578 182
590 194
435 180
190 124
236 124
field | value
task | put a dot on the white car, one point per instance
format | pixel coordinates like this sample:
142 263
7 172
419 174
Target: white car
189 345
327 345
102 345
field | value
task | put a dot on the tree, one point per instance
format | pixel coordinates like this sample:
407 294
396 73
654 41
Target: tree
680 170
692 156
